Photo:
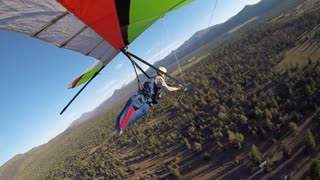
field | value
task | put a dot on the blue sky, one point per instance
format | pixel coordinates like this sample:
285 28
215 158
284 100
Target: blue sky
35 75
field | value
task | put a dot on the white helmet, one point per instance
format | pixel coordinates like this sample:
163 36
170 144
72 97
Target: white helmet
163 69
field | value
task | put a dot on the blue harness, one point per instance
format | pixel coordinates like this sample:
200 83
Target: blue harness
151 91
138 104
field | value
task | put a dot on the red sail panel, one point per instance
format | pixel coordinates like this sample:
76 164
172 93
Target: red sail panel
74 83
100 15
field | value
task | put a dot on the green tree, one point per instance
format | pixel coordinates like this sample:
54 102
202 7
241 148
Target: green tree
217 134
175 172
222 116
268 166
284 119
222 108
309 140
191 130
293 128
257 112
186 143
239 139
286 151
268 113
269 124
220 145
243 119
197 147
203 102
235 138
255 154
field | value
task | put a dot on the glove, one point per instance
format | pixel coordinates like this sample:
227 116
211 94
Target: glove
184 88
180 86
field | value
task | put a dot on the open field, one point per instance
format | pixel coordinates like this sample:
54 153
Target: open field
306 52
242 25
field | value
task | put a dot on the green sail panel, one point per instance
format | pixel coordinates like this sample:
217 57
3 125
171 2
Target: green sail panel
144 13
85 76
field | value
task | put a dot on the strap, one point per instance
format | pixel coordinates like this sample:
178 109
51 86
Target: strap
125 52
135 70
134 64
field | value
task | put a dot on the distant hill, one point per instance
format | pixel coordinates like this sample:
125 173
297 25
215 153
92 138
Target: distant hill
262 11
82 118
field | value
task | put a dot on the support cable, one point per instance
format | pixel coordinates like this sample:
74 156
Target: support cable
138 79
174 51
177 60
155 68
213 11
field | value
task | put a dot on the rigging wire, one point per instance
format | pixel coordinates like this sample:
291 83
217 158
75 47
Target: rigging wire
174 51
213 11
138 79
115 75
177 60
131 84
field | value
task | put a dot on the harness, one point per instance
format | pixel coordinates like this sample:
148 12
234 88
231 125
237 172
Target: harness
151 91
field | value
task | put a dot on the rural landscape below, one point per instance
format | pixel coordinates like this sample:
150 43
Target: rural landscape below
251 111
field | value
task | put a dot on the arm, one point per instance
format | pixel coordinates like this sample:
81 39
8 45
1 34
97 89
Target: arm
161 83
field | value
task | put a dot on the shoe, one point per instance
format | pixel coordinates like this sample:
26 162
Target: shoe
120 132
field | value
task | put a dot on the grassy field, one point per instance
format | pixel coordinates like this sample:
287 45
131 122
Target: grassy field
304 53
187 65
242 25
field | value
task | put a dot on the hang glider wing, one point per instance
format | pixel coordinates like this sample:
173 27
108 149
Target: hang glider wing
120 21
96 28
49 21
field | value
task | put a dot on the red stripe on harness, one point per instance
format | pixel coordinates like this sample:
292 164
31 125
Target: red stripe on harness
127 117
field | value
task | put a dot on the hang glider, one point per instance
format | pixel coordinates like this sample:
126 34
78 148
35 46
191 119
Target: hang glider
97 28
